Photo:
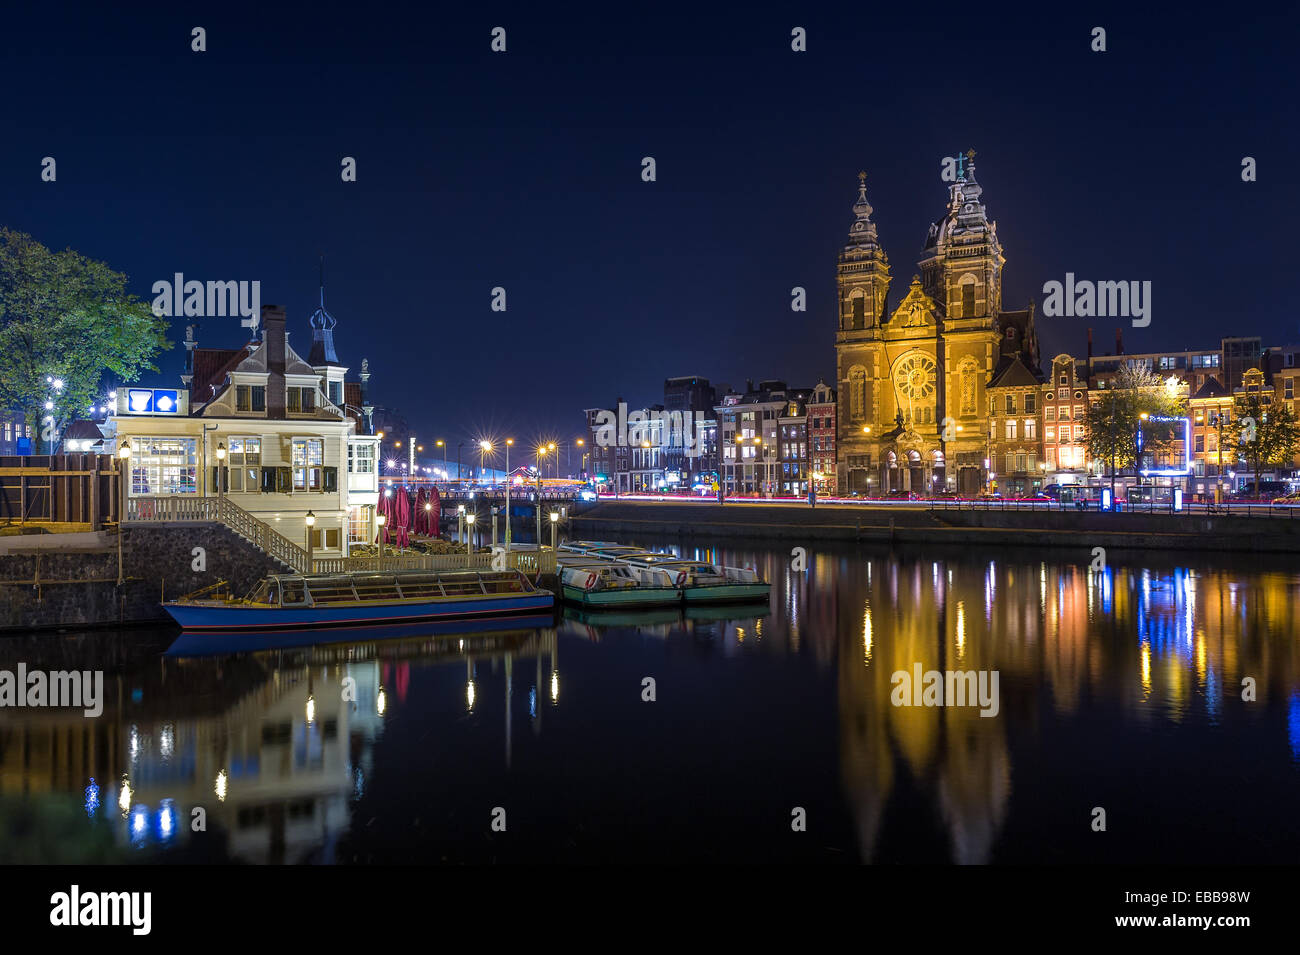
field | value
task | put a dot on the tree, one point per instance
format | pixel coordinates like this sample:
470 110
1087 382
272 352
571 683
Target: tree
1112 422
66 316
1267 434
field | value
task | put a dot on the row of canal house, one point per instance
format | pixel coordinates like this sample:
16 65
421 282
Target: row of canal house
294 433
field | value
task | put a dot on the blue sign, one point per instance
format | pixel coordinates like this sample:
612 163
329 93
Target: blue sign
152 401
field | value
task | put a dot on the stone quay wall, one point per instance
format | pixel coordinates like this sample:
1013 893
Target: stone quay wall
47 585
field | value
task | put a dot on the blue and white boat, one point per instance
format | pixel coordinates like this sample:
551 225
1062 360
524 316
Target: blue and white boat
297 601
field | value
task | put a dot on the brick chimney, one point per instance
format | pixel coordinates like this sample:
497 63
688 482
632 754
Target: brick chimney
277 340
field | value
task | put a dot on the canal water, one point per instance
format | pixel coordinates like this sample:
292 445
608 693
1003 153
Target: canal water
768 733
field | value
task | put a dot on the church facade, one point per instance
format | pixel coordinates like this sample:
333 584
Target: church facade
914 378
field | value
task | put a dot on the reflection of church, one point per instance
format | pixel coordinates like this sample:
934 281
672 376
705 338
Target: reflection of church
901 373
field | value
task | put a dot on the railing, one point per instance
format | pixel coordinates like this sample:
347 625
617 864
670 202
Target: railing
164 510
529 562
1287 511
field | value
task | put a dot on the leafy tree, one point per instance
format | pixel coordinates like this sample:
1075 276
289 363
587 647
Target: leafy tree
1267 434
66 316
1112 422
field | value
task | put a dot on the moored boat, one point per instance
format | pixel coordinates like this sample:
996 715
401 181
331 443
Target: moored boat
297 601
699 581
596 582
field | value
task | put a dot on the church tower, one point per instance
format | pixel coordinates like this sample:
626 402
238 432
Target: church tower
863 272
961 265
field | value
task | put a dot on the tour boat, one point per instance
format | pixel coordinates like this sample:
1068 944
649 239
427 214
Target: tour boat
297 601
698 580
598 582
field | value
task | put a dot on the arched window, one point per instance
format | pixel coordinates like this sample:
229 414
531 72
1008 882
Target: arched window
858 393
967 387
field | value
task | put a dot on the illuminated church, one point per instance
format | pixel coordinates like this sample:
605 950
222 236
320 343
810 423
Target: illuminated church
933 356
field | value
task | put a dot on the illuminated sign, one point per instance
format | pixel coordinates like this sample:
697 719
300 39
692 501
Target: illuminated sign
152 401
1187 448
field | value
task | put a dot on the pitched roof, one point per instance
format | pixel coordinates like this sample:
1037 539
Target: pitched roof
1013 373
211 365
1211 389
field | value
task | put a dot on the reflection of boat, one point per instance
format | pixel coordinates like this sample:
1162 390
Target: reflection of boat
295 601
213 643
715 611
624 618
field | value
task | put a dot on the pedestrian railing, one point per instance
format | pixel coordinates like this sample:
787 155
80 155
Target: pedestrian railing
167 510
1237 508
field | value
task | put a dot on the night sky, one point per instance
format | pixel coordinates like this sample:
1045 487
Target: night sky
523 170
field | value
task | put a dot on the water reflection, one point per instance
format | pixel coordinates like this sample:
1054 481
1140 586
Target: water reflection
1121 685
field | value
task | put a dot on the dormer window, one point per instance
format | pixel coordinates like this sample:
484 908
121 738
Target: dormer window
302 400
250 398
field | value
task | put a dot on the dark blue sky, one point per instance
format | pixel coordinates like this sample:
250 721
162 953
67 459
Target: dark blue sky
523 170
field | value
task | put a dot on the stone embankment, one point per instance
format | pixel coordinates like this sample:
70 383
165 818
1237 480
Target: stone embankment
919 525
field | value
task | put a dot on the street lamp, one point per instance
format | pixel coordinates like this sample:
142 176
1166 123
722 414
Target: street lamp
551 448
509 442
484 449
221 471
310 521
124 455
469 537
555 523
379 534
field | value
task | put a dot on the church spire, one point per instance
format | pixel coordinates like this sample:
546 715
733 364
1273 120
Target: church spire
863 231
322 330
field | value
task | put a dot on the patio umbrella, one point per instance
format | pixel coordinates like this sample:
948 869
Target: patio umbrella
386 509
403 515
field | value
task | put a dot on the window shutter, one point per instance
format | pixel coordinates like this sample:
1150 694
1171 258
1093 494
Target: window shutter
268 480
331 479
283 480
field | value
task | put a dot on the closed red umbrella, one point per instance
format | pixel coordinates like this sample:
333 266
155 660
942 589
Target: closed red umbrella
403 518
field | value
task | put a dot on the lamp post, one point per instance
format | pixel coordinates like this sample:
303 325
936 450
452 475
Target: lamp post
569 455
310 521
556 459
555 523
484 449
458 450
379 534
541 452
469 538
221 473
443 444
124 456
509 442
